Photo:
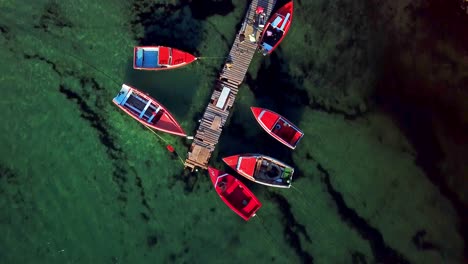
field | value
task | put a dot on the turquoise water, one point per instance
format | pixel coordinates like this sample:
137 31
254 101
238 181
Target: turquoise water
82 182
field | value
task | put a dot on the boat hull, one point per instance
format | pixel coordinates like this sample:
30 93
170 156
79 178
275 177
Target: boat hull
234 194
262 169
155 58
278 126
276 28
147 111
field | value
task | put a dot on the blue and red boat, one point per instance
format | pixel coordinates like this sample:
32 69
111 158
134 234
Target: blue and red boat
154 58
276 28
147 110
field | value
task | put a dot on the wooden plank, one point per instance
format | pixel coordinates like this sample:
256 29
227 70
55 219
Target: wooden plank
241 54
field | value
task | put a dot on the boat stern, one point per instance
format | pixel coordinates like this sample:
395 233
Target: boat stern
123 95
267 48
288 175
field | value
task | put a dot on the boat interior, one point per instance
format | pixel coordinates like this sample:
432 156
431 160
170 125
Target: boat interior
153 57
287 132
238 197
272 35
143 108
272 172
275 31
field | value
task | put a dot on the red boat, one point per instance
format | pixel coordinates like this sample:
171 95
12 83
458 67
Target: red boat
278 127
147 110
277 28
262 169
155 58
235 194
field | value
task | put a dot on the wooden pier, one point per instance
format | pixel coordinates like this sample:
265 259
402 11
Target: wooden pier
226 87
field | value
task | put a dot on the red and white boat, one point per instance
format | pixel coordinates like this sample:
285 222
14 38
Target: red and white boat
276 28
147 110
154 58
278 127
262 169
235 194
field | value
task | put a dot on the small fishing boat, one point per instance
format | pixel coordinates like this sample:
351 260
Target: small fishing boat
147 110
262 169
276 28
278 127
155 58
235 194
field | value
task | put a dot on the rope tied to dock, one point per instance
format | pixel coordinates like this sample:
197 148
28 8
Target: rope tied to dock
208 57
169 147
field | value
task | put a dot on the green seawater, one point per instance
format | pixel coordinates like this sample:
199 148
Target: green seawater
82 182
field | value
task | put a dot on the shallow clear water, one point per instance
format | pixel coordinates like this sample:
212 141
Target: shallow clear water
82 182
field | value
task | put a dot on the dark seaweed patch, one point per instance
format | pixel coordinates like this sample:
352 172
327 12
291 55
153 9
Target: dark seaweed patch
165 24
202 9
144 217
90 87
4 29
114 260
188 178
139 184
381 251
421 244
115 152
5 32
152 240
53 16
276 84
8 175
445 19
172 257
96 121
292 229
410 100
358 258
47 61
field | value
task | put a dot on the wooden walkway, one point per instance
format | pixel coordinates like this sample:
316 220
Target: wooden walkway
226 88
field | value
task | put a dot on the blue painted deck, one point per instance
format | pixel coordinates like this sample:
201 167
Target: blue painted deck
146 58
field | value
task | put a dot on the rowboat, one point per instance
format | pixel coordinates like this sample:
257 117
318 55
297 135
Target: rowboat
155 58
278 127
147 110
276 28
262 169
234 194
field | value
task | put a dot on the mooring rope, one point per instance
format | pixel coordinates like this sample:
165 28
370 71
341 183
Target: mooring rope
165 141
207 57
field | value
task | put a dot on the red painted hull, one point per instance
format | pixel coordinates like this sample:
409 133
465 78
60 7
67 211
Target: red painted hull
168 58
278 127
279 30
234 194
159 119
